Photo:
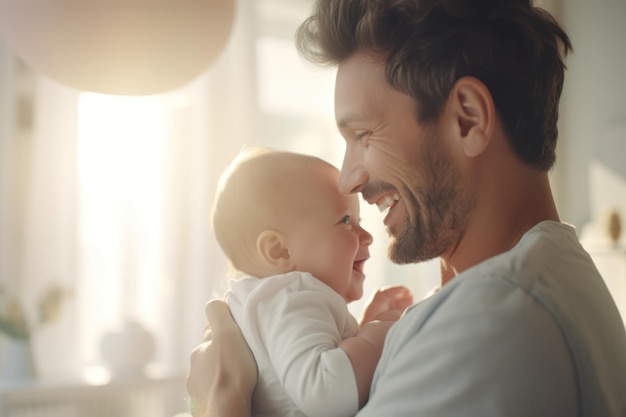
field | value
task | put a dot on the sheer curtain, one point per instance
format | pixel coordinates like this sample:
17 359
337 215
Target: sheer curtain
110 196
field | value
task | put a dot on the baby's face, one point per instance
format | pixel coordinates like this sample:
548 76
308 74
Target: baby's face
323 233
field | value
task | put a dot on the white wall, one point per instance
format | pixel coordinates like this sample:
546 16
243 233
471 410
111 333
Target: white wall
591 164
6 128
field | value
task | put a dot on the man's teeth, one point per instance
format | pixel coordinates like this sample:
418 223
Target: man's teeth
387 202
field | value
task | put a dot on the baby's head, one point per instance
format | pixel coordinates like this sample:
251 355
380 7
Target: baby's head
278 211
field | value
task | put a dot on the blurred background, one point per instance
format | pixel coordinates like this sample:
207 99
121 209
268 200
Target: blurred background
106 255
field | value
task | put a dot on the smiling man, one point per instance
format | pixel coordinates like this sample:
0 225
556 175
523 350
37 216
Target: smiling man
398 163
449 112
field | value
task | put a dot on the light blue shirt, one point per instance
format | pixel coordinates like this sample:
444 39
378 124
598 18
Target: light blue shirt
532 332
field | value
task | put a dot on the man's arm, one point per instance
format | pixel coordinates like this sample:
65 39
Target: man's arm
222 371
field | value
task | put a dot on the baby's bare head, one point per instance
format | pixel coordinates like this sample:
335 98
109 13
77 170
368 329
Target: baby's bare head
263 189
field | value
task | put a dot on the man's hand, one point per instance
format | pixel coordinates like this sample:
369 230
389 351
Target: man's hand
387 304
222 372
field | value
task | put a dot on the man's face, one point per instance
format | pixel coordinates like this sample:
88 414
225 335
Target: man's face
400 165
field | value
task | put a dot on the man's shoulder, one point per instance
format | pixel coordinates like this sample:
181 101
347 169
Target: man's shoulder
461 347
540 311
545 277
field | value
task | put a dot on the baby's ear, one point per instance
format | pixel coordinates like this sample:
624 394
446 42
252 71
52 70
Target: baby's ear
271 246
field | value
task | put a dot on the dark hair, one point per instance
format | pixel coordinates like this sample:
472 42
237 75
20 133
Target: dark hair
427 45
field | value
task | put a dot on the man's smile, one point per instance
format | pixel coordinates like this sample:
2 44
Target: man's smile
387 201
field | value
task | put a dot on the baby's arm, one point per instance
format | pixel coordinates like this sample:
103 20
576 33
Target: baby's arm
364 349
301 324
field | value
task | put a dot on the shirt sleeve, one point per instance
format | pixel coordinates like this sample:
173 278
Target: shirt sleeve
301 321
492 352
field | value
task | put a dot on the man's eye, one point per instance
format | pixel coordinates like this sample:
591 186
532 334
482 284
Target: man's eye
360 135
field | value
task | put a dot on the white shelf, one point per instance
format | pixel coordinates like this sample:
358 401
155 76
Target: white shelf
133 397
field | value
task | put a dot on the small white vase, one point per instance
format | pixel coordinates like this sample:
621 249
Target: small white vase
18 363
127 350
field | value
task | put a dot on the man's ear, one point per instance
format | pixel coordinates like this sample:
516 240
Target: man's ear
271 246
475 112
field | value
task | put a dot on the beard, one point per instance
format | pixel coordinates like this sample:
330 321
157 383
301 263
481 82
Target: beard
440 207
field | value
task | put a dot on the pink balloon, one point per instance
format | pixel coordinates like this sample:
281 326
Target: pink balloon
125 47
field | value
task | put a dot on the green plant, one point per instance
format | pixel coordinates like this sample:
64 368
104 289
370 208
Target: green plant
14 322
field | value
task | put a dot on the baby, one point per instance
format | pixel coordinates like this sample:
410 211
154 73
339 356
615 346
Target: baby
296 241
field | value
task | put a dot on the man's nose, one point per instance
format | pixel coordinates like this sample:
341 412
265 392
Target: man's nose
353 174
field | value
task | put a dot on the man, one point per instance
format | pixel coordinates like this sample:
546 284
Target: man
449 112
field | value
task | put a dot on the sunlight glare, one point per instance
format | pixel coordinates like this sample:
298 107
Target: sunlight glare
121 168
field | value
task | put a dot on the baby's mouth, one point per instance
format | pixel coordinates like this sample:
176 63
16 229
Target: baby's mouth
359 265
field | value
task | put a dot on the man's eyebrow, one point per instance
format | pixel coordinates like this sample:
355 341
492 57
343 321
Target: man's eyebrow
346 120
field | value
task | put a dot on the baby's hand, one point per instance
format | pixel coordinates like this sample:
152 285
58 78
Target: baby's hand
387 304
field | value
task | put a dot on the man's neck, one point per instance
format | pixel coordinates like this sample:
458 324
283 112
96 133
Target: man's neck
498 223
